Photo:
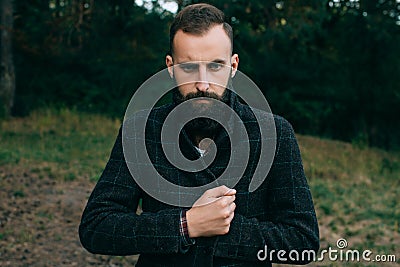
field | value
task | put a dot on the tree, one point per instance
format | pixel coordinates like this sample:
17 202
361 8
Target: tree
7 75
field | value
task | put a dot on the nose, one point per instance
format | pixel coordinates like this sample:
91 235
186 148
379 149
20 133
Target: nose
202 84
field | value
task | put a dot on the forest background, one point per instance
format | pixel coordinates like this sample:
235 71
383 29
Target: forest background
330 67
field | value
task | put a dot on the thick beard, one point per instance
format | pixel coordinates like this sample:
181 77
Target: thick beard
202 127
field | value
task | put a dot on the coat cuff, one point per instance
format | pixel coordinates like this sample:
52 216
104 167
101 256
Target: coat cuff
185 242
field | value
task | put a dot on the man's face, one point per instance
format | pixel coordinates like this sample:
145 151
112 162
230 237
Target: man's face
202 65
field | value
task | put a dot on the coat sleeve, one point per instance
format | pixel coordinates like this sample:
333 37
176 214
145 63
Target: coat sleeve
290 223
109 223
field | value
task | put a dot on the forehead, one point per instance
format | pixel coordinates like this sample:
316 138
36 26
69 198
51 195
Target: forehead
212 45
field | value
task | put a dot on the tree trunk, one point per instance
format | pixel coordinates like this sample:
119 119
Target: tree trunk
7 74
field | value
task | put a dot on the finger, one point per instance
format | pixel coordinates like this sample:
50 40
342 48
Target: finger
231 199
230 210
232 206
218 191
204 200
230 218
230 192
225 201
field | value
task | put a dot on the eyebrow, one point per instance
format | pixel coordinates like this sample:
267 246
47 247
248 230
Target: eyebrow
219 61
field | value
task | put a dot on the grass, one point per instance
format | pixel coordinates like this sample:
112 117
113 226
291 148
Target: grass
355 189
63 144
355 193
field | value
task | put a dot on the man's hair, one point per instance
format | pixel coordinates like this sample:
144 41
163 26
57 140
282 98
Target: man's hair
198 19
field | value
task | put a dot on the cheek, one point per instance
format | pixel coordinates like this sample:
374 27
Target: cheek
220 80
220 83
217 89
184 89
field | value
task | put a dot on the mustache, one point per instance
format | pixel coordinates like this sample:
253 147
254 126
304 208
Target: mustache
179 98
201 94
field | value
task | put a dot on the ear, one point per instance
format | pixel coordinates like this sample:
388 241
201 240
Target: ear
234 64
170 65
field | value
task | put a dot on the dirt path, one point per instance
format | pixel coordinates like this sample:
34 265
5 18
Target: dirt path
40 214
39 218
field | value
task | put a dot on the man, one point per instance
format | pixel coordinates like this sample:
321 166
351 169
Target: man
225 226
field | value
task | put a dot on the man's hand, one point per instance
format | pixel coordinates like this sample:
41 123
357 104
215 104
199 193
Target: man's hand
212 213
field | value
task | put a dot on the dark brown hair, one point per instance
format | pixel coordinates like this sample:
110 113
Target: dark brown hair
197 19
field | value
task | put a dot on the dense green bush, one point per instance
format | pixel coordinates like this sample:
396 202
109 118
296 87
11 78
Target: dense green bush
331 68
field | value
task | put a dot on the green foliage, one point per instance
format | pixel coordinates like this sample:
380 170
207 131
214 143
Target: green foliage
19 193
93 63
330 67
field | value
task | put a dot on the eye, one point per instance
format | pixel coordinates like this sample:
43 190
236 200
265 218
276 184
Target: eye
214 66
189 67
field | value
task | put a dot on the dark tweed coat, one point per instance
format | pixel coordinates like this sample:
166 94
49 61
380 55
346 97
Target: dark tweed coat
279 214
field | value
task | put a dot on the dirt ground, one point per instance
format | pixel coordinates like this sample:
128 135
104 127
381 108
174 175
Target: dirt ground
39 218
